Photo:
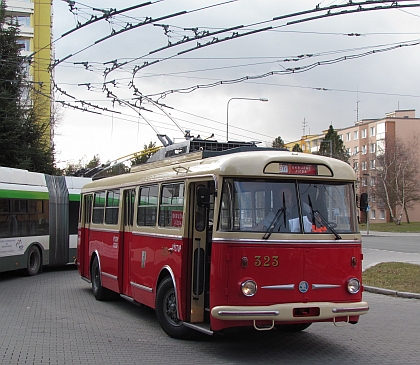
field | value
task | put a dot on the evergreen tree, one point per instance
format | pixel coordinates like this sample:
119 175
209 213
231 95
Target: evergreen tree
333 146
22 136
143 156
278 143
296 148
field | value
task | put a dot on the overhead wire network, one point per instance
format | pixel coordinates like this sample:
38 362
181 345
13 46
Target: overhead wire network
117 90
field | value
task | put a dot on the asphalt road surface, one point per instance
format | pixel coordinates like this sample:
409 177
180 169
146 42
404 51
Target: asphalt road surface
53 318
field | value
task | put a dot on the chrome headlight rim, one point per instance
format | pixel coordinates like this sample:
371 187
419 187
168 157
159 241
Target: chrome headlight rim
249 288
353 285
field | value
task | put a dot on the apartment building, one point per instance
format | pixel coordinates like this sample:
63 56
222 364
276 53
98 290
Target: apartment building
35 20
364 141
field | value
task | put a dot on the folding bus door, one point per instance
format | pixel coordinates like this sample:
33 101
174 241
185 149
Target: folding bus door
201 198
124 254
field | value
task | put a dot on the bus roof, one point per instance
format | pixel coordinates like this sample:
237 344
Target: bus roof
261 163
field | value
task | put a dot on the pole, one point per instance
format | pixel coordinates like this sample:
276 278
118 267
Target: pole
368 208
227 111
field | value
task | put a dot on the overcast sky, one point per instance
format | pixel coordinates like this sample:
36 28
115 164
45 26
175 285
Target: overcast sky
348 81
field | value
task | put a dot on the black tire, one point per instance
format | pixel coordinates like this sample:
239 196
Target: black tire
98 290
166 311
298 327
34 261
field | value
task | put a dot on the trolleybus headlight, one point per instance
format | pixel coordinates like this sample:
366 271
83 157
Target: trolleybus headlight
249 288
353 286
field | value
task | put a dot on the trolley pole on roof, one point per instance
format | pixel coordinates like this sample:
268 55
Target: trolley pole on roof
227 112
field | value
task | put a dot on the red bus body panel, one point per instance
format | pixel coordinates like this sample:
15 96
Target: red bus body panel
326 268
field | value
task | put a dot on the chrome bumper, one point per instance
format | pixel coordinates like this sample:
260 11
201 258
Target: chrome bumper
285 312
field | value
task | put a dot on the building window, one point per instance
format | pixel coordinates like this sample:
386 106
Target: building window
373 214
372 164
372 148
364 165
364 150
356 166
341 137
364 182
349 151
24 44
364 133
382 214
348 136
372 131
356 150
356 135
372 181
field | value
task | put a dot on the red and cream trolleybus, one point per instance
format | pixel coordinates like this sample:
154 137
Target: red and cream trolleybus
221 238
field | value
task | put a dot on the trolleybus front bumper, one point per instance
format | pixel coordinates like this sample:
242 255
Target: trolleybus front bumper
291 312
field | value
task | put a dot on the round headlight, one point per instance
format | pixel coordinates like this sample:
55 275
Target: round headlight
249 288
353 286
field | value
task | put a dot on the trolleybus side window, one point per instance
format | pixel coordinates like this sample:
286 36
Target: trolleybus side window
171 206
21 217
148 203
99 207
112 206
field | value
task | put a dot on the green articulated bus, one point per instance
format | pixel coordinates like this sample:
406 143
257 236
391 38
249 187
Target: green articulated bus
38 219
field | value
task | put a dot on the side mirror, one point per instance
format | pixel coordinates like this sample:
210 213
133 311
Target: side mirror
203 197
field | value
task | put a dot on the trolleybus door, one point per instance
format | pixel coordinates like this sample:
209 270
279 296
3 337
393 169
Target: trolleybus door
124 254
201 241
83 249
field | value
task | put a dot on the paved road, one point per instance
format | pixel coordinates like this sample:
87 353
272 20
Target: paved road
389 247
53 318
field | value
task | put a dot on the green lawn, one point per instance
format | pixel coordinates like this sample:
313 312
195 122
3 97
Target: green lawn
392 227
396 276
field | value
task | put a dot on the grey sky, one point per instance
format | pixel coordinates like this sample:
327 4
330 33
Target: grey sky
333 92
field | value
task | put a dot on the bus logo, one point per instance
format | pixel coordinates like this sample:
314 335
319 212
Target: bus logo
303 286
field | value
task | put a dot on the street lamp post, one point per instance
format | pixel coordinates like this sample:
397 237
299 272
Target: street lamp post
368 208
227 111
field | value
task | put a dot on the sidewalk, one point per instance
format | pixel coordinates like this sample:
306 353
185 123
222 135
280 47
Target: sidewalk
388 234
389 256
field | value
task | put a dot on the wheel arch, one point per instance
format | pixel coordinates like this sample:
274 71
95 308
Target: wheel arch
166 271
95 254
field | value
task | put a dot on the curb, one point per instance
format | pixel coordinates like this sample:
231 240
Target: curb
401 294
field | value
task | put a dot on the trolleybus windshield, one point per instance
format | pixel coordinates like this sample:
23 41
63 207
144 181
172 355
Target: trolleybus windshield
287 206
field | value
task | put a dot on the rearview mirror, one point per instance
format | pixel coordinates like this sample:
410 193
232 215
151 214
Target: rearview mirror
203 196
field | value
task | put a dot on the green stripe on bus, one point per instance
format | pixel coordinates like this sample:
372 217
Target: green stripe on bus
74 197
19 194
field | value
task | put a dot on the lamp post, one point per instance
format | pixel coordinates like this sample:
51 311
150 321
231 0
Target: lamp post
368 208
227 111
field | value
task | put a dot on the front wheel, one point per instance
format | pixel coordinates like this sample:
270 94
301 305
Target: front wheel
98 290
34 261
166 311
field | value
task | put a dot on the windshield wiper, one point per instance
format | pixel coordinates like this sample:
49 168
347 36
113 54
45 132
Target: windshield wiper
275 220
273 223
323 220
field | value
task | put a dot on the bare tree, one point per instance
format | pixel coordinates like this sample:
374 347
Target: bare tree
397 176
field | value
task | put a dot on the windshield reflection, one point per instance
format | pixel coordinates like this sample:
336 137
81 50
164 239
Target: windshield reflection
289 206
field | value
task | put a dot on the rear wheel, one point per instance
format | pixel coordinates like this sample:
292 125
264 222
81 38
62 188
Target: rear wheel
98 290
34 261
292 327
166 311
